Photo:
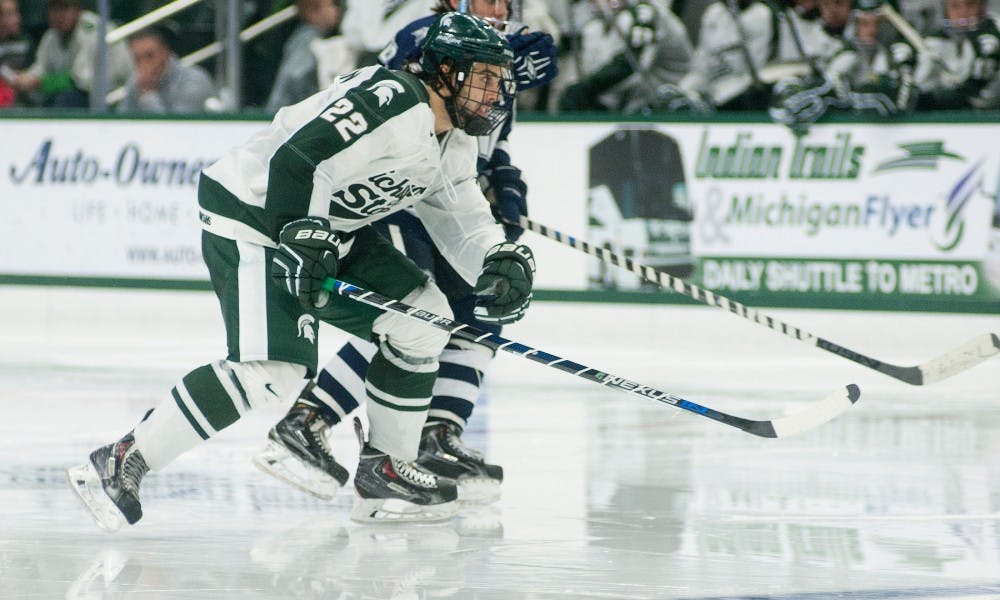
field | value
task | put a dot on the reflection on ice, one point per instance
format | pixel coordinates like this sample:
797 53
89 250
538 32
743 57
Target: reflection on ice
605 496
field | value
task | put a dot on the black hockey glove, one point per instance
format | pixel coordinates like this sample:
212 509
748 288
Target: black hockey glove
307 254
509 203
534 58
504 287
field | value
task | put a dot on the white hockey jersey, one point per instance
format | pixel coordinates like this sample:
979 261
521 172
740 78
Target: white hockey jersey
966 64
369 25
356 151
719 68
663 58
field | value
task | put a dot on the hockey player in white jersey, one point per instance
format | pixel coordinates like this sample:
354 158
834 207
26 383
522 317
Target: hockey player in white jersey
736 39
628 51
297 451
861 74
960 68
290 209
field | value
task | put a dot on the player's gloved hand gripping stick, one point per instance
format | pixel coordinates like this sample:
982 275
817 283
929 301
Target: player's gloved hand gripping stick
503 290
308 253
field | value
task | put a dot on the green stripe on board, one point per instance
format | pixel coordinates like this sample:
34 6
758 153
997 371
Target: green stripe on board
187 415
211 398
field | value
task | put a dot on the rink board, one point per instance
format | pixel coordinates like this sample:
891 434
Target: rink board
848 215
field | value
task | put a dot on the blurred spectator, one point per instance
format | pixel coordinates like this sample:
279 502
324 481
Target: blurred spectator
812 32
959 70
160 83
64 66
863 75
631 49
126 11
297 74
34 20
14 51
925 15
369 24
835 14
879 76
536 17
737 38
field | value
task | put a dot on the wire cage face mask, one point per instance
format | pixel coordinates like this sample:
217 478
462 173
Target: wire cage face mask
471 60
482 98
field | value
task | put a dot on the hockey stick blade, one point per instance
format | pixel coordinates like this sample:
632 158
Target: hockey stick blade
812 416
944 366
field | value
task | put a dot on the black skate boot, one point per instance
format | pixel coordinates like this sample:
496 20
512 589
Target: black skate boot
394 490
442 452
116 470
298 453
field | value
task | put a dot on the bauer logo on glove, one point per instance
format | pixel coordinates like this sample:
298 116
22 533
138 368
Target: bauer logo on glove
308 252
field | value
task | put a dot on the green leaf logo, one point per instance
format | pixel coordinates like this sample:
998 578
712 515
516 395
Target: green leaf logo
919 155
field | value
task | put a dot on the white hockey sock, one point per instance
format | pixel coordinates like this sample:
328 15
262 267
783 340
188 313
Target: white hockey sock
165 435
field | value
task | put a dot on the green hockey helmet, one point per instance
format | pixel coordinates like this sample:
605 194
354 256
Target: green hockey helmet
453 44
464 39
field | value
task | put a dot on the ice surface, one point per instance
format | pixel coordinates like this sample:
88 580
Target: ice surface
606 495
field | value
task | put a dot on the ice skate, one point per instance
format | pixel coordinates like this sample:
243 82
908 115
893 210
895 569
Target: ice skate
108 484
442 452
393 490
298 453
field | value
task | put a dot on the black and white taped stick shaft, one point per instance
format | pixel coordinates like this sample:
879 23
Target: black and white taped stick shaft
966 356
812 416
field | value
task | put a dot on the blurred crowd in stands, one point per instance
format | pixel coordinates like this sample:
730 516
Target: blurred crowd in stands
797 59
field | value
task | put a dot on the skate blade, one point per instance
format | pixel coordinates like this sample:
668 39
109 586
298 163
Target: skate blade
279 463
394 510
478 490
84 480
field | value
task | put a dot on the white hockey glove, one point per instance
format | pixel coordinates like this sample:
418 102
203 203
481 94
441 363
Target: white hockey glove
503 289
307 254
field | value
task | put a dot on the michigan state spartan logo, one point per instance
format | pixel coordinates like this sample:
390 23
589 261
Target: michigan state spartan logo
307 328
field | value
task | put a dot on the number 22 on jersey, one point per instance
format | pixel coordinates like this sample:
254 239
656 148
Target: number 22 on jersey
346 122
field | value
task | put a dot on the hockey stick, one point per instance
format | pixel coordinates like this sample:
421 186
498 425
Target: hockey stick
955 361
904 28
812 416
809 64
608 16
734 12
911 35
